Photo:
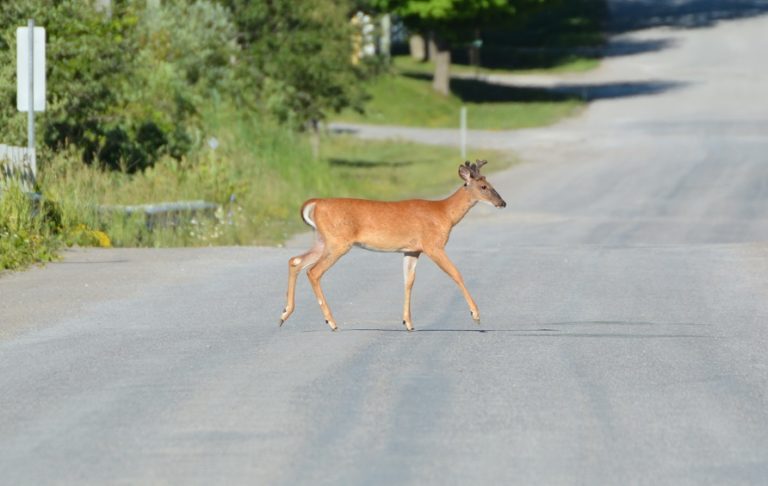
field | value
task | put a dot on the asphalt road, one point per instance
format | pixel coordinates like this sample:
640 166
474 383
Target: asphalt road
623 294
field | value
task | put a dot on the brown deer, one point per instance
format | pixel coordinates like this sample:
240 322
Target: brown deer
410 227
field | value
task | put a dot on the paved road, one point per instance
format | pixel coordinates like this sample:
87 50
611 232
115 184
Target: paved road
624 334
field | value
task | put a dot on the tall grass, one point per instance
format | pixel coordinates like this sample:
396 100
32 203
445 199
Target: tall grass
256 175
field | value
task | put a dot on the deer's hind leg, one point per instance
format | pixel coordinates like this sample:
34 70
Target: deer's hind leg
331 254
295 266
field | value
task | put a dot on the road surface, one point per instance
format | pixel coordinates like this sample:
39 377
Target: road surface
623 293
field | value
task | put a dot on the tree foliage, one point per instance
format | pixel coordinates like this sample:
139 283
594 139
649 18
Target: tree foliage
454 19
123 89
128 88
300 57
449 21
85 57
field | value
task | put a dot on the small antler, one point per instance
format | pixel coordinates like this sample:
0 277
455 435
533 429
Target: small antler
474 169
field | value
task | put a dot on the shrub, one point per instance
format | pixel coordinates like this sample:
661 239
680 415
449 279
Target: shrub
126 89
28 231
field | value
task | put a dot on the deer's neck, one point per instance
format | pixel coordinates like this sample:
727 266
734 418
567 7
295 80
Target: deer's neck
458 204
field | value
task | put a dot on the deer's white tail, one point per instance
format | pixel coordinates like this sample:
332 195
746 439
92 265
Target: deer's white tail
307 211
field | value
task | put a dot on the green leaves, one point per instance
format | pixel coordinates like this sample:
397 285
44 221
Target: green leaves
456 20
299 55
128 89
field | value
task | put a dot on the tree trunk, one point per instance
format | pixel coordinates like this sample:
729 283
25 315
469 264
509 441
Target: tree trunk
385 41
418 47
474 50
431 48
441 56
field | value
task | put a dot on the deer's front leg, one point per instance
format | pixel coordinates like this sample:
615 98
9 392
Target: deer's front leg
442 261
409 276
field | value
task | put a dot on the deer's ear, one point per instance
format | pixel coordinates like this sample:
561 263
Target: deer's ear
465 173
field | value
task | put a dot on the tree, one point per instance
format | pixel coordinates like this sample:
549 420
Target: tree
86 56
300 57
446 22
123 89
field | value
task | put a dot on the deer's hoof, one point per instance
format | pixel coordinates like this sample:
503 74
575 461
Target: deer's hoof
285 315
332 324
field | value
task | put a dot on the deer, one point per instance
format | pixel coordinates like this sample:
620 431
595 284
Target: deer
410 227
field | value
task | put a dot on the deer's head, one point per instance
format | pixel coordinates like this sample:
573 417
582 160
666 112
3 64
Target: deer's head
478 186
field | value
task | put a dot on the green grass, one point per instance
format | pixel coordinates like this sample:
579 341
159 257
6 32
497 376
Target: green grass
408 99
395 170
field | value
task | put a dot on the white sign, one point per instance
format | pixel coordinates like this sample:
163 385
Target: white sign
22 68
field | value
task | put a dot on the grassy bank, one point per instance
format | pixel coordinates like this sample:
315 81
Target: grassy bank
258 175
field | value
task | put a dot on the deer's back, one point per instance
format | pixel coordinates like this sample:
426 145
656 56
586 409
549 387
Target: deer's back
379 225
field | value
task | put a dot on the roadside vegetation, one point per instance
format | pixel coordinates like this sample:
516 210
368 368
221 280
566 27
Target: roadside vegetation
24 237
222 101
259 174
550 37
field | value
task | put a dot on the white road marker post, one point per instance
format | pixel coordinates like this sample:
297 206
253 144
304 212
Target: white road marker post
463 132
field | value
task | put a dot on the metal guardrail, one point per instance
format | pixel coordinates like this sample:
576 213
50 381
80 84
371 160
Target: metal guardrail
17 165
166 213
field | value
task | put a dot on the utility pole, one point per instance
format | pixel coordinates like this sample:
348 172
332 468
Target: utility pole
463 131
31 108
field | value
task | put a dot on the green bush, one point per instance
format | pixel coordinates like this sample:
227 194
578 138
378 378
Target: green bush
128 89
300 57
88 57
124 90
28 230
